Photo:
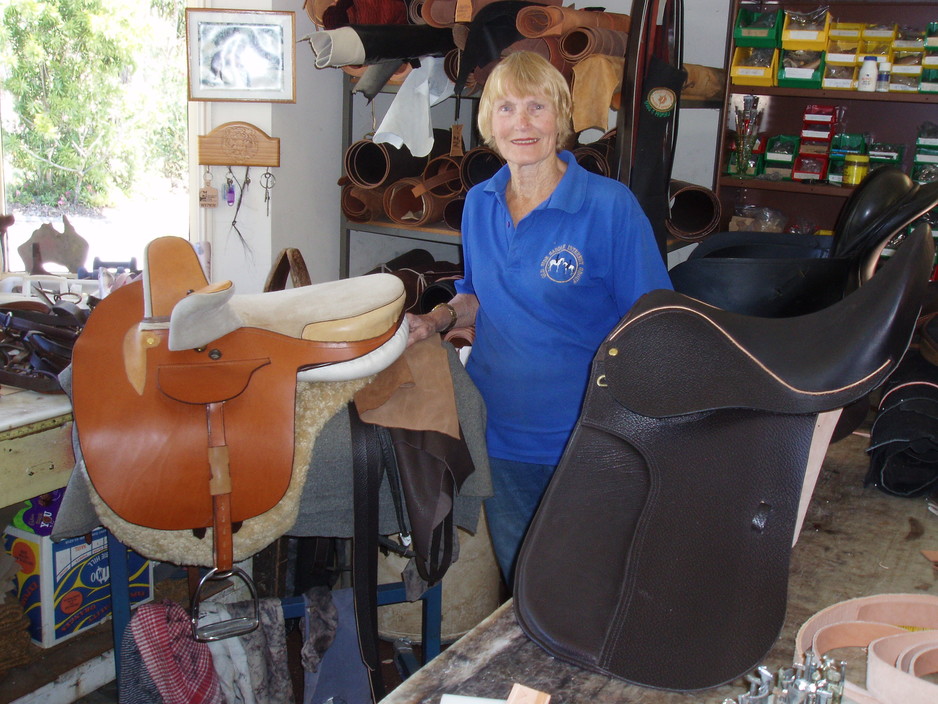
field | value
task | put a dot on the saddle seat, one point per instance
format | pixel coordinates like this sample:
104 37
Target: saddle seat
679 488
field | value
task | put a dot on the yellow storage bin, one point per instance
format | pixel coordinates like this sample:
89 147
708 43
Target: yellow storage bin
879 31
842 52
796 36
744 73
845 30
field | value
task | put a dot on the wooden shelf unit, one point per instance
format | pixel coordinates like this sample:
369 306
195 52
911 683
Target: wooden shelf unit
892 118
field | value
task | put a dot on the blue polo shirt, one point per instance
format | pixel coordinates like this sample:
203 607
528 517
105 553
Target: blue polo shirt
550 290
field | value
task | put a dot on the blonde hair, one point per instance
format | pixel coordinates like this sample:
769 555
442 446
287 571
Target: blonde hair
526 73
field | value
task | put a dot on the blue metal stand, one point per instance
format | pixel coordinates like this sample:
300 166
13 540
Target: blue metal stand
120 595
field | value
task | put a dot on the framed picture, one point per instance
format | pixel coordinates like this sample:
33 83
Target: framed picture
241 55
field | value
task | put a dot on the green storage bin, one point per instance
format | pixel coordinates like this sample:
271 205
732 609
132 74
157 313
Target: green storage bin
745 34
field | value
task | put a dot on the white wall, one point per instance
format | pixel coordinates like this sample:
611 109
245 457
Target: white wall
305 200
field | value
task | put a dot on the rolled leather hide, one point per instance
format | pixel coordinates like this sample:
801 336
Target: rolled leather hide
362 204
447 13
478 165
452 213
441 176
491 31
406 208
555 21
597 156
369 164
581 42
339 13
371 44
904 437
440 291
548 47
414 10
695 211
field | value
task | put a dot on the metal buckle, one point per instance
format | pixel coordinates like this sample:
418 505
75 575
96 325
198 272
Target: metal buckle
232 627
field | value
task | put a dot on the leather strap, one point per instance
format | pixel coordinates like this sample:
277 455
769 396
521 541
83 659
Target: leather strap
366 472
220 487
901 634
289 262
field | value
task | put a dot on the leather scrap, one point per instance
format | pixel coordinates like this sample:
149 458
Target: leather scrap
595 79
427 404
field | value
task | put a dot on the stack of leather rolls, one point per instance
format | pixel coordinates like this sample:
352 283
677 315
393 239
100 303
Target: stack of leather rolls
387 183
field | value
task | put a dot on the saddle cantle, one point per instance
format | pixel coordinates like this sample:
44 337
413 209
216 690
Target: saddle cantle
183 392
678 491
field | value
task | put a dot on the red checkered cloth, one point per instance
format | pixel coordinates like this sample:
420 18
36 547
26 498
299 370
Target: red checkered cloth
180 666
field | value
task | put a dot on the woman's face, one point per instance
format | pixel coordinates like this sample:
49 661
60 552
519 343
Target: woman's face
524 128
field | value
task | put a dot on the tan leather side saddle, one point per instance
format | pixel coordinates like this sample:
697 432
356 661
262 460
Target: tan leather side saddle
183 392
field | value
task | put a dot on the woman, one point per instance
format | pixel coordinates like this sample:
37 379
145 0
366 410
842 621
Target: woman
554 257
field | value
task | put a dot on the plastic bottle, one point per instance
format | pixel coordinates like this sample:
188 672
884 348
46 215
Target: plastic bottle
866 79
855 168
882 78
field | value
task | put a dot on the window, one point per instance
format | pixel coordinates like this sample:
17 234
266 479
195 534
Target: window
93 117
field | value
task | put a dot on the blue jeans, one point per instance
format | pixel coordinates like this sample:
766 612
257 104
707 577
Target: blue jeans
518 487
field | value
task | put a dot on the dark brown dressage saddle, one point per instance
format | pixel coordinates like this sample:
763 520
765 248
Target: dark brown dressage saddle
183 396
678 492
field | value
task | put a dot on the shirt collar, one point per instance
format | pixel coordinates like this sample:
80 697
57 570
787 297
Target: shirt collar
569 193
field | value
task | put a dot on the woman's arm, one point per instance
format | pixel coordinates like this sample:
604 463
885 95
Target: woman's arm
465 306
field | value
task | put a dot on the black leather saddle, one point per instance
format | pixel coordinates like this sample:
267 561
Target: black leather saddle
780 274
678 493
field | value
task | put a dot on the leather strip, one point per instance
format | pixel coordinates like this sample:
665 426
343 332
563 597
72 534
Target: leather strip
220 487
406 208
366 472
896 657
441 177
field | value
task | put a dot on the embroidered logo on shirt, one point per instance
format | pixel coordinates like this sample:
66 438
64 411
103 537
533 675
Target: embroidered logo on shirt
563 264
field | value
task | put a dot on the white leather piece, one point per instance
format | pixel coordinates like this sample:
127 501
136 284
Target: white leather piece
366 365
337 47
407 121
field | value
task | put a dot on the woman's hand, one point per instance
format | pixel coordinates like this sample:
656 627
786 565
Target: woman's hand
421 327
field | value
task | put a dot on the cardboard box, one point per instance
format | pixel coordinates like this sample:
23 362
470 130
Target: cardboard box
65 587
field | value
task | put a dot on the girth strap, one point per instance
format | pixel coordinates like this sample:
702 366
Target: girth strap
367 471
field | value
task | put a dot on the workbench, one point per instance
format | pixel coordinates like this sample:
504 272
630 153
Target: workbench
35 444
855 541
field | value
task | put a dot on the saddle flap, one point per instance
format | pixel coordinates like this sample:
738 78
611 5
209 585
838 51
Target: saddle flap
674 355
209 382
